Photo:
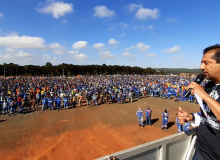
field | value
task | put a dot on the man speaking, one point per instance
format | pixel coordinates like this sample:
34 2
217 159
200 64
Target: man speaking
208 137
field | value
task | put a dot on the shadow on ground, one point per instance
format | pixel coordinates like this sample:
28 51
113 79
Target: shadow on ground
170 124
3 120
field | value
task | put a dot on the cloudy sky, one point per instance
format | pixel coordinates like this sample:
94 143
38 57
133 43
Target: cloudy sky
144 33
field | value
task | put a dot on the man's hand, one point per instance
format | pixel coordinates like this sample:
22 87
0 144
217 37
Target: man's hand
183 116
198 89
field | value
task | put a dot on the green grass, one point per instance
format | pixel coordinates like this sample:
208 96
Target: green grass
178 70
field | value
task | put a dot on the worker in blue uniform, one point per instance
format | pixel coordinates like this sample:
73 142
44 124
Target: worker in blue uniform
165 117
148 112
140 115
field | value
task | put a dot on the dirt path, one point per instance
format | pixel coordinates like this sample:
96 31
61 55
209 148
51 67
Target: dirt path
84 133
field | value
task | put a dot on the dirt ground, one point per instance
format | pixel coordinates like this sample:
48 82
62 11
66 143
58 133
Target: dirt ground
84 133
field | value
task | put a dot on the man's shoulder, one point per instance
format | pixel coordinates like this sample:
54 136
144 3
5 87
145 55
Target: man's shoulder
210 84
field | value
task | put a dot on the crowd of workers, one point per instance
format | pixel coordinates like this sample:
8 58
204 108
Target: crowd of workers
22 94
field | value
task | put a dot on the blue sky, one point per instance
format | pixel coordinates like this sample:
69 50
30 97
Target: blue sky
144 33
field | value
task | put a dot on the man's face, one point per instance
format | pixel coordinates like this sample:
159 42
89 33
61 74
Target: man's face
209 66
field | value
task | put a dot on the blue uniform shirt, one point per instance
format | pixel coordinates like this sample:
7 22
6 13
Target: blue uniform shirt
165 116
186 126
44 100
148 112
58 100
65 100
139 113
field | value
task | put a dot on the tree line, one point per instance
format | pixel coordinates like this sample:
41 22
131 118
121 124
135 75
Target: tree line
48 69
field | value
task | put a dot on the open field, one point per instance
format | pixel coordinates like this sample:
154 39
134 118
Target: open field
85 132
178 70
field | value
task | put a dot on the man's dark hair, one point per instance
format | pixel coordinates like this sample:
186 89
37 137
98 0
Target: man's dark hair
216 56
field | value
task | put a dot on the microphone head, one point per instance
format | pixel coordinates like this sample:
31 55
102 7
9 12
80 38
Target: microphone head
200 78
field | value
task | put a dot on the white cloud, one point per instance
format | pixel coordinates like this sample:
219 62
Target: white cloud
20 57
151 55
132 7
128 54
177 58
175 49
103 11
9 50
79 45
58 52
144 13
54 45
106 54
1 14
57 8
15 41
142 47
64 21
26 58
26 42
150 26
46 56
98 45
8 57
73 52
50 59
22 54
127 49
112 42
81 57
58 49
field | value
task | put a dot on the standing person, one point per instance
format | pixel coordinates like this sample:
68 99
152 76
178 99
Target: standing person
9 100
119 98
165 117
88 99
33 101
101 97
124 97
65 102
107 98
130 95
50 103
58 102
44 102
4 104
179 126
37 99
145 93
140 115
113 98
208 119
80 100
137 92
19 101
74 101
148 112
12 107
94 97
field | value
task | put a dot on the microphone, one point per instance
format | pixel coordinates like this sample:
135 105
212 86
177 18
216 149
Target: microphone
198 80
